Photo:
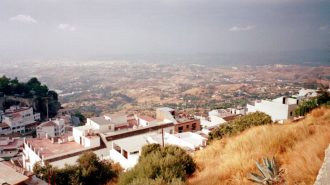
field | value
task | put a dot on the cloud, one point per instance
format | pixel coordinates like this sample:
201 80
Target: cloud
241 28
27 19
324 28
66 27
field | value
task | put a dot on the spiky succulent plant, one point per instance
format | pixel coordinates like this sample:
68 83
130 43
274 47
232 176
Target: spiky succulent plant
270 174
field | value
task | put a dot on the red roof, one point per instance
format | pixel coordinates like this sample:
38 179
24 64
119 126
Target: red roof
4 125
47 124
232 117
146 118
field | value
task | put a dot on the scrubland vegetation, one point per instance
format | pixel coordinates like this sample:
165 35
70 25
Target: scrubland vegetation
298 148
240 124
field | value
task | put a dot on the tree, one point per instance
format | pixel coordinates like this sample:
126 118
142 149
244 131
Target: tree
160 165
89 170
308 105
4 85
81 117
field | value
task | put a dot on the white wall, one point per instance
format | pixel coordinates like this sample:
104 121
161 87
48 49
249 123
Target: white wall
91 141
217 120
31 156
277 111
130 162
50 130
143 122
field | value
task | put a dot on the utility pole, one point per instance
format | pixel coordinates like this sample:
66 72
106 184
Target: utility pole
162 137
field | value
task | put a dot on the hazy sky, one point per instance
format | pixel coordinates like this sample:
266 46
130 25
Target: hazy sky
79 28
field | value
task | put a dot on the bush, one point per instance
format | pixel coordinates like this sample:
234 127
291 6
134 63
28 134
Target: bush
240 124
160 165
308 105
89 170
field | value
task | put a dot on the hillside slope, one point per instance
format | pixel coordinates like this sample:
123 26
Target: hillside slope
297 146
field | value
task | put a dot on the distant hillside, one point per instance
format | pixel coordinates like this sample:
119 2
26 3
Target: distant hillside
298 147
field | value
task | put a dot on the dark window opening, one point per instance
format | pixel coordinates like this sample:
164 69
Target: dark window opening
180 129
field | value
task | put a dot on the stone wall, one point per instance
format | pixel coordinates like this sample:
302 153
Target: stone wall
323 178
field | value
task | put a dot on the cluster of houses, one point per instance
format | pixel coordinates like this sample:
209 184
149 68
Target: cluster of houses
18 119
120 137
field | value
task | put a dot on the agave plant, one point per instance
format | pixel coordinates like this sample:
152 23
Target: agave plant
270 174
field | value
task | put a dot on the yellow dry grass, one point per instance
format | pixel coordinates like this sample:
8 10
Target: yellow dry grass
297 146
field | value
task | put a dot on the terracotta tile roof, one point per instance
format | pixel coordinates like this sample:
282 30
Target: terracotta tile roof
4 125
49 149
146 118
232 117
10 175
47 124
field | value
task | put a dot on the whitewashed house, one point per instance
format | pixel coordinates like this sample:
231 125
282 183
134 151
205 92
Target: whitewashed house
53 128
18 120
187 140
126 151
218 117
9 147
62 150
306 93
278 109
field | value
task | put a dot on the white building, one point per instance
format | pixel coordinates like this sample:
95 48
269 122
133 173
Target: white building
186 140
126 151
18 119
100 135
306 93
220 116
9 147
62 150
279 109
54 128
111 123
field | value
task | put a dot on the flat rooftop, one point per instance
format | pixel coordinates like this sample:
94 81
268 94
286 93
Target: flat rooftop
127 130
48 149
10 176
168 109
132 144
190 137
100 120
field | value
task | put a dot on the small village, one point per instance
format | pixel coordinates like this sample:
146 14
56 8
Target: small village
116 137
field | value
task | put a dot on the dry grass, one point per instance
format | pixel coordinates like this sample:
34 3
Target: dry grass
298 148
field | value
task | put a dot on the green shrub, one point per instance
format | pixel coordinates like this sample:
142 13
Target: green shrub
240 124
308 105
160 165
89 170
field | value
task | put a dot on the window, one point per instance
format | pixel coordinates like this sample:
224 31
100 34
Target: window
290 113
125 154
187 126
180 129
193 127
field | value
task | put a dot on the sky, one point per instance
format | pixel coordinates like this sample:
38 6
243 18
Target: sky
87 28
